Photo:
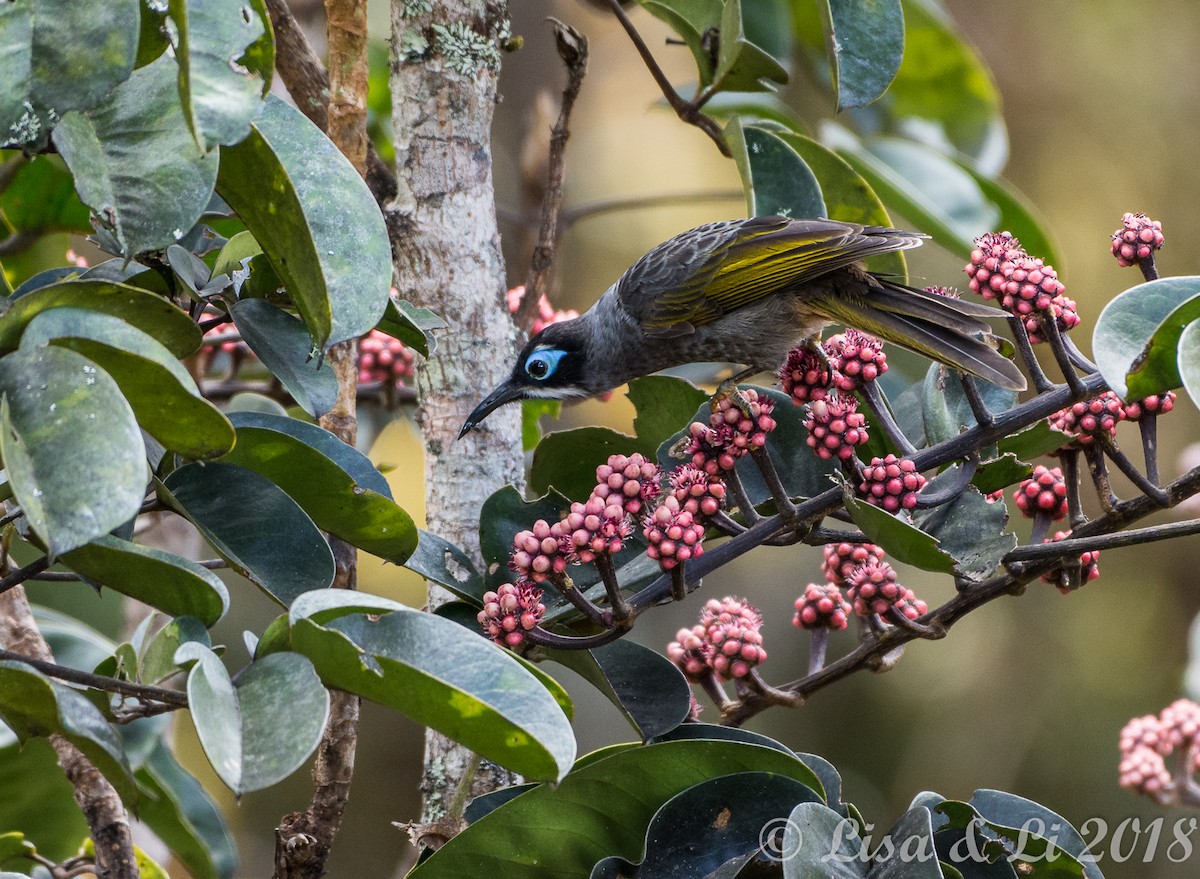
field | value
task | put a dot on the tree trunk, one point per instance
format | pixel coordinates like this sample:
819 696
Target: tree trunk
447 252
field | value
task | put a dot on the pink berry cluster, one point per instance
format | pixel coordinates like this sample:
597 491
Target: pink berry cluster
674 534
1137 239
805 375
1087 419
546 314
857 359
727 641
870 584
697 492
835 426
1024 285
539 552
1044 493
594 527
629 480
511 611
1089 568
891 483
730 433
382 358
1146 742
1155 404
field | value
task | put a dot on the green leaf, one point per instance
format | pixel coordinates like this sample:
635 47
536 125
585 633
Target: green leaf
315 219
865 44
1033 442
237 251
776 180
148 312
505 513
710 824
411 324
532 410
567 460
808 841
252 524
158 657
183 816
172 584
41 196
927 188
912 833
664 406
942 83
741 65
333 482
692 20
1189 360
899 539
220 95
444 563
1013 812
1003 471
970 529
35 706
285 348
848 197
467 688
129 150
644 685
162 394
260 730
13 845
38 800
1137 335
152 34
633 784
1020 217
71 445
45 65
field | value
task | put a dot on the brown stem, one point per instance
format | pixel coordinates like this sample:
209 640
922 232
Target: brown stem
143 692
97 799
1040 382
573 50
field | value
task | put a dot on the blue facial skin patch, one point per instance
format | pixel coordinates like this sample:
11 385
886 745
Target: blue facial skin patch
540 365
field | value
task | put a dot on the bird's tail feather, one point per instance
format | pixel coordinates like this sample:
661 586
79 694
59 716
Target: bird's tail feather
940 328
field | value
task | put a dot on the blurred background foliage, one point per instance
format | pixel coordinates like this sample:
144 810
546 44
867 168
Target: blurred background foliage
1028 695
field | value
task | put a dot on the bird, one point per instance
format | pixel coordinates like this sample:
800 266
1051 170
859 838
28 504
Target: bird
747 291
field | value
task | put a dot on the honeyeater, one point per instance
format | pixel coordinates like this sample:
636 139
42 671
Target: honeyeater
747 292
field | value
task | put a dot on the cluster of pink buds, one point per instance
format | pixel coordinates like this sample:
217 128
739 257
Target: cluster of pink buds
857 359
382 358
1155 404
1137 239
632 481
691 652
1087 419
1089 568
511 611
1024 285
727 641
546 314
835 426
1044 493
805 375
873 590
730 432
675 535
697 492
842 559
891 483
822 607
539 552
592 528
1147 741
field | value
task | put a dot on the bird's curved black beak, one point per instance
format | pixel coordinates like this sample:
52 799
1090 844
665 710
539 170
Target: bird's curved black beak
506 393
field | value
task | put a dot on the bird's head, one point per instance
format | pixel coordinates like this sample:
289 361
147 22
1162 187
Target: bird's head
551 366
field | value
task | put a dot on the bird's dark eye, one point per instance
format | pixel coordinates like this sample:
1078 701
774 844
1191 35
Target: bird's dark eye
540 365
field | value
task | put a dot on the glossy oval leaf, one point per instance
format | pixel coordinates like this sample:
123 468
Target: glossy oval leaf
154 315
44 66
664 406
898 538
970 529
775 179
75 457
285 347
523 839
32 704
260 730
711 824
41 196
426 667
865 45
743 66
334 483
411 324
645 686
692 20
1137 335
945 410
252 524
439 560
162 394
315 219
129 150
566 460
220 94
1189 360
174 585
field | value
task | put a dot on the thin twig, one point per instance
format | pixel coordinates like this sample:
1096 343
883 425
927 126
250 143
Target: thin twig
741 500
975 400
873 394
1040 382
621 610
143 692
1148 427
1131 472
1069 458
573 50
952 487
1054 338
818 645
1079 545
19 576
783 503
1099 472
